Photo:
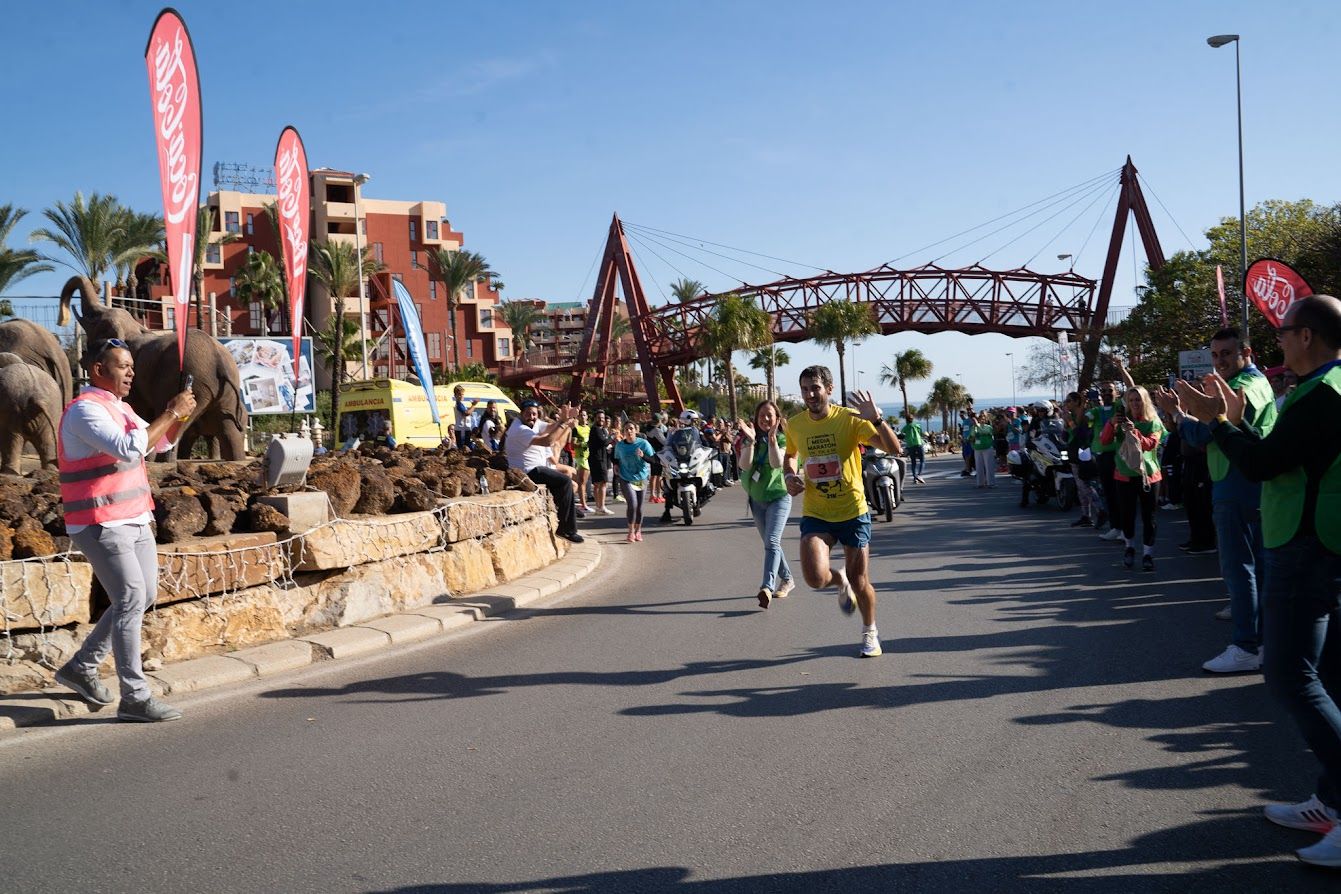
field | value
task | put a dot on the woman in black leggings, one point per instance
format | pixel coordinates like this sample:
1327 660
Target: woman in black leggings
1136 478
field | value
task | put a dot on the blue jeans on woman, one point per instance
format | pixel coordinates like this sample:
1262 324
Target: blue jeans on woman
1302 624
1238 530
770 519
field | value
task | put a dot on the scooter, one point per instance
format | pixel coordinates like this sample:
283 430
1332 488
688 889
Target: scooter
688 467
882 475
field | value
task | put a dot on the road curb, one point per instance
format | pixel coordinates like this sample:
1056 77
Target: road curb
414 625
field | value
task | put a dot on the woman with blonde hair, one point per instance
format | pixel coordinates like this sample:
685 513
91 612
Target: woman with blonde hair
759 455
1136 430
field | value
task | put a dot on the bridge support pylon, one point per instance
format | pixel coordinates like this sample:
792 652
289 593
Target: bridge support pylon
617 274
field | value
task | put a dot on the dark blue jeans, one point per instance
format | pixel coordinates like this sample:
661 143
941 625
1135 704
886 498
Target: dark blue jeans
1303 636
917 459
1238 530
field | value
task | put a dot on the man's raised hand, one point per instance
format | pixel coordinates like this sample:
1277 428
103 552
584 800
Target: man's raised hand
864 403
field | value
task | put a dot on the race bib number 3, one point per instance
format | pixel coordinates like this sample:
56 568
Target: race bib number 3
822 469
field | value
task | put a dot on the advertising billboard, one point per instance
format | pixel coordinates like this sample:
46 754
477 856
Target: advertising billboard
266 366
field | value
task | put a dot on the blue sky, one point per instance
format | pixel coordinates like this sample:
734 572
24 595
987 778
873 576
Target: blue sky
839 134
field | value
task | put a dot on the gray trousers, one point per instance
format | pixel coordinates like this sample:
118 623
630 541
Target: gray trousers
126 563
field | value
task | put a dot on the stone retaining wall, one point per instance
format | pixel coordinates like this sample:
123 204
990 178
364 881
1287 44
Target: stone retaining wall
223 593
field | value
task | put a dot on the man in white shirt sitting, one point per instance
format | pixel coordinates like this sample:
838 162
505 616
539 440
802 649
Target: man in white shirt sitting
529 444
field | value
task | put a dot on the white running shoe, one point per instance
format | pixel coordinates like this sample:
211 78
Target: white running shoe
847 599
1233 660
1113 534
606 510
1326 852
784 589
1311 816
1224 614
870 644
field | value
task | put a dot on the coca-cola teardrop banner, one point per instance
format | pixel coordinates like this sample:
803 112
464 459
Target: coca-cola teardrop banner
174 87
1273 287
293 191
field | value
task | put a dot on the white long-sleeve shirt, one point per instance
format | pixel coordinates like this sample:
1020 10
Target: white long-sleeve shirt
88 430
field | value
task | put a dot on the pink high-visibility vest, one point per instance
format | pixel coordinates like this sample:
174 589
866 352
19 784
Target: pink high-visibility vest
102 488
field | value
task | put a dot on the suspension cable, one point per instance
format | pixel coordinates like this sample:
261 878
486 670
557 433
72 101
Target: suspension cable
1098 220
1097 190
672 248
637 238
1146 181
717 253
650 274
729 247
1069 224
594 261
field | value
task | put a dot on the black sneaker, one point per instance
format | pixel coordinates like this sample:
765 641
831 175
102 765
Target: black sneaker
1129 557
573 537
1185 546
1147 562
1082 522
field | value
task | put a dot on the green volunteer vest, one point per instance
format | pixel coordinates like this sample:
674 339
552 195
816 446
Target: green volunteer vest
913 433
1098 417
1261 409
1283 496
982 437
1149 458
761 481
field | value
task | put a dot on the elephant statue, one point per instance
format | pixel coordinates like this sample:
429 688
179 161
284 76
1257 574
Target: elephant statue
220 415
30 410
35 345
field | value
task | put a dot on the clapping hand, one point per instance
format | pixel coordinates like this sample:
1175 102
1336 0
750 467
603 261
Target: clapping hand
1233 399
1167 399
568 412
746 428
1198 404
864 403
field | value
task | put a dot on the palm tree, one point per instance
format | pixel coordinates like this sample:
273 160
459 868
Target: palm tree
16 265
340 336
204 239
948 396
272 215
259 281
457 269
520 316
141 237
338 267
769 359
88 231
834 324
736 324
908 366
925 412
684 289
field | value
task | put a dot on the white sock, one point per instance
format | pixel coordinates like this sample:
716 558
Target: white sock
1148 551
868 628
1130 541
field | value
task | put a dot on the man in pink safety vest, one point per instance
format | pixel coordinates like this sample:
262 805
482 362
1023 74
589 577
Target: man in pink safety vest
108 508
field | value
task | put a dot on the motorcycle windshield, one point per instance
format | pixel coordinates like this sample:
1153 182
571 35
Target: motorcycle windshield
684 441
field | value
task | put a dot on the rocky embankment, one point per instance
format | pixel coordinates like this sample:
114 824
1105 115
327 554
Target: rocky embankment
214 498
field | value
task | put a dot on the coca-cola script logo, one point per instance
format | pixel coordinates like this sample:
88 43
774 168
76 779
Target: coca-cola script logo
290 187
1273 287
172 100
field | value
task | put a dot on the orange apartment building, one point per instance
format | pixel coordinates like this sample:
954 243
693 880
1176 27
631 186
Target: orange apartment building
399 234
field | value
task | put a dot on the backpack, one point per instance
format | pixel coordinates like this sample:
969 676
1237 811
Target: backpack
1130 451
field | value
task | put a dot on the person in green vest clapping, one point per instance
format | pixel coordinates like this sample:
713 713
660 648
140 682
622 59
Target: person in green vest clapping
984 458
1299 465
1235 500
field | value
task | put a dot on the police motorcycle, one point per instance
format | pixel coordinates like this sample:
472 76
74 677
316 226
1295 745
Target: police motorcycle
882 476
1048 471
688 467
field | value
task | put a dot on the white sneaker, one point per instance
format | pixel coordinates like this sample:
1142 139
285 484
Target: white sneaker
870 644
784 589
847 599
1113 534
1224 614
1233 660
606 510
1311 816
1326 852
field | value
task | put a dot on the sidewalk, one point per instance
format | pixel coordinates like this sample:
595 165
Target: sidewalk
58 703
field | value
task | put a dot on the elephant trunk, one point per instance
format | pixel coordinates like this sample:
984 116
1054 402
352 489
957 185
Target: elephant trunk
90 303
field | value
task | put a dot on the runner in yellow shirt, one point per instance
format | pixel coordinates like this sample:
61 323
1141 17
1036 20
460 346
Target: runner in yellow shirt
824 462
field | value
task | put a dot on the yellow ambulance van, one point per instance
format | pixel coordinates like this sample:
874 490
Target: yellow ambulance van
364 406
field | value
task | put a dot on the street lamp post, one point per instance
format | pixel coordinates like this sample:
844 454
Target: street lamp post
1218 41
1011 355
359 180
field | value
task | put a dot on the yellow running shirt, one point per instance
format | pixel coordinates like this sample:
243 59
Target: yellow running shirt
828 460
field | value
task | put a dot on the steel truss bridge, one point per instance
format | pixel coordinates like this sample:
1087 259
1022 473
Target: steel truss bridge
928 299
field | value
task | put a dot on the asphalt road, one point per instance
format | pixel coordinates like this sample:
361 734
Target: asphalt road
1039 722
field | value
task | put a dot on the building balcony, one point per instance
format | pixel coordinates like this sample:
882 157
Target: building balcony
339 210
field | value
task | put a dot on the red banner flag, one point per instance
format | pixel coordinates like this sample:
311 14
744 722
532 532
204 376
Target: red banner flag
174 86
293 193
1220 285
1273 287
